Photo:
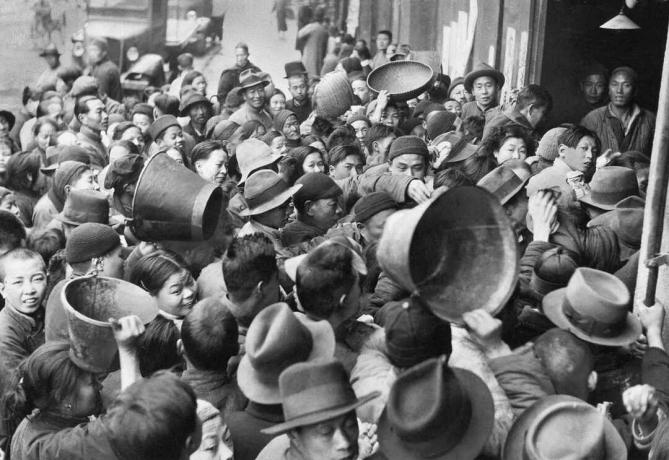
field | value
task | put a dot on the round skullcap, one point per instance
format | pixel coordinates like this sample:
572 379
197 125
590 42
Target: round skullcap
90 240
280 119
408 145
372 204
548 145
161 124
315 186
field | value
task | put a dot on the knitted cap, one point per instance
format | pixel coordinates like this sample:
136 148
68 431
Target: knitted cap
372 204
408 145
548 145
90 240
315 186
161 124
280 119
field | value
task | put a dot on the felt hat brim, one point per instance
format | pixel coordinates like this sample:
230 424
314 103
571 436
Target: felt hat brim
515 442
250 380
587 199
552 307
470 443
262 83
320 416
272 159
275 202
492 73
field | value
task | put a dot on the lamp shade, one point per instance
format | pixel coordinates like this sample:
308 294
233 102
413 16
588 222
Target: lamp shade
620 22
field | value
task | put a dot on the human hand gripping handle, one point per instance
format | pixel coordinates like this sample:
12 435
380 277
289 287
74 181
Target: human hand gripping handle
368 442
126 330
418 191
641 403
652 319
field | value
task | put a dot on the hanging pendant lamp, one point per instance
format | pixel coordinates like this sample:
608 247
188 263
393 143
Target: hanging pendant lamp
620 21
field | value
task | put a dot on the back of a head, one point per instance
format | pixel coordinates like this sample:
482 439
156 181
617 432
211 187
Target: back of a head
535 95
324 276
567 361
248 260
167 104
209 335
153 419
12 231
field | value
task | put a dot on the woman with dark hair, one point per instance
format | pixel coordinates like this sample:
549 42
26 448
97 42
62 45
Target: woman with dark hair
209 160
48 400
276 102
508 142
195 80
308 159
23 178
165 277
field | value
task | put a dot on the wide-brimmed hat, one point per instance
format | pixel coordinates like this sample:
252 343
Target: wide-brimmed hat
253 154
276 339
561 426
83 206
313 392
460 149
294 68
505 182
594 307
609 185
626 220
483 70
455 420
264 191
50 50
57 154
190 99
249 79
358 262
454 83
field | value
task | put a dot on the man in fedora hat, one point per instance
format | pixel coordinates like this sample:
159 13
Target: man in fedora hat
268 198
626 221
456 426
276 339
49 78
102 68
622 125
92 248
253 91
229 78
563 427
319 411
70 175
298 86
608 186
484 83
198 109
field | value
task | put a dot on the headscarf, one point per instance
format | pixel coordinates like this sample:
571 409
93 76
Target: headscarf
280 119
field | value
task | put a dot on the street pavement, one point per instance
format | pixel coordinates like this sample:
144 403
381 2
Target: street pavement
252 22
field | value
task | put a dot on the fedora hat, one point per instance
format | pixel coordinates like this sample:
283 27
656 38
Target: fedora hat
50 50
626 220
190 99
455 421
249 79
505 182
437 248
358 262
561 426
253 154
83 206
294 68
276 339
313 392
483 70
609 185
594 307
264 191
459 148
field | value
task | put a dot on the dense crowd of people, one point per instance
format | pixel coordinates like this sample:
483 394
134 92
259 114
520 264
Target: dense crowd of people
311 323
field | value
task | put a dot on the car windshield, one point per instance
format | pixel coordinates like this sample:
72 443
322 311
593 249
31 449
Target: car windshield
131 5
